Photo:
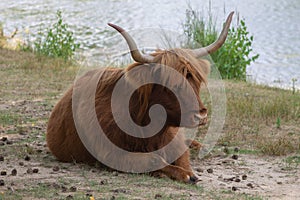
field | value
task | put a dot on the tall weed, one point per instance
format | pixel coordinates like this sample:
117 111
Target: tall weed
58 41
234 56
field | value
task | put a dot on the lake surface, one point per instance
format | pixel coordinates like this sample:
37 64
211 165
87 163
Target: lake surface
274 25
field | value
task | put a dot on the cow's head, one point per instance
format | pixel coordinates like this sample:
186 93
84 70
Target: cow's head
193 72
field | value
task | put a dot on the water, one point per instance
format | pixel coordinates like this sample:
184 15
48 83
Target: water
274 25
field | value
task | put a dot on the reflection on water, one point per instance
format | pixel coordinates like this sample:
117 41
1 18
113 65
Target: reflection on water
274 24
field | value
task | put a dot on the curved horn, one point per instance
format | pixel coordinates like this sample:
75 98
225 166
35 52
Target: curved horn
218 43
135 53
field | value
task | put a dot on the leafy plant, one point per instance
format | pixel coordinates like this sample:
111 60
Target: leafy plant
278 122
58 41
235 54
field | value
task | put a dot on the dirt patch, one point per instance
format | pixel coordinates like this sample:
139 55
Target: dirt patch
29 171
251 174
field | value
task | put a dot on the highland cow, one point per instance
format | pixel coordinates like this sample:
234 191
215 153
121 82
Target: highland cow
62 134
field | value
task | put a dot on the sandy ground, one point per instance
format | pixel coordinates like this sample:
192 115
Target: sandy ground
264 176
25 163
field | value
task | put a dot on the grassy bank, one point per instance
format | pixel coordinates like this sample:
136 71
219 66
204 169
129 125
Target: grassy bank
260 120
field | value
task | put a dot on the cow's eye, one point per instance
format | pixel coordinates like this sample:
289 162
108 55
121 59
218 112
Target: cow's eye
189 75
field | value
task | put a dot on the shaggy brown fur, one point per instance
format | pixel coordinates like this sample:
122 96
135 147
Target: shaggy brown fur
64 142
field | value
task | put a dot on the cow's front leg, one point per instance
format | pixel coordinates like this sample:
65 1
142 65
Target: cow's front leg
184 163
179 170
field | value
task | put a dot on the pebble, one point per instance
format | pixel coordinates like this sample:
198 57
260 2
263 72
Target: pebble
1 158
55 168
14 172
229 179
237 180
3 173
234 188
244 177
9 142
21 163
39 150
120 190
199 170
103 182
27 158
157 196
210 170
73 189
35 170
63 189
29 171
2 182
250 185
235 157
236 149
3 139
69 197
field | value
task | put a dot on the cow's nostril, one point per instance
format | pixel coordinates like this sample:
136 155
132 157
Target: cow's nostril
203 111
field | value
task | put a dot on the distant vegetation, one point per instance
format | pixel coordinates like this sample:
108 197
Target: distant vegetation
57 41
234 56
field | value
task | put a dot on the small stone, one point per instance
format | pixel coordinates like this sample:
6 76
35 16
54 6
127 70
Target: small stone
237 180
279 183
235 157
210 170
11 189
157 196
119 190
244 177
112 198
2 182
39 150
3 173
29 171
35 170
27 158
55 168
200 170
229 179
63 189
14 172
21 163
250 185
234 188
9 142
3 139
73 189
1 158
88 195
236 149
